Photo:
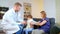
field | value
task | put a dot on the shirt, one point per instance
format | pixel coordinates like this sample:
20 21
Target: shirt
28 23
11 18
46 26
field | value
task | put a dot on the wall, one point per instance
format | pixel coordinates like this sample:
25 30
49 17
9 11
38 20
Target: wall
7 3
50 8
37 6
10 3
46 5
58 11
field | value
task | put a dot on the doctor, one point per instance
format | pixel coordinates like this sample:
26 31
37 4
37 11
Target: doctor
12 18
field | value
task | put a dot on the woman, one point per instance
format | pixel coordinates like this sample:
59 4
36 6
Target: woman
44 24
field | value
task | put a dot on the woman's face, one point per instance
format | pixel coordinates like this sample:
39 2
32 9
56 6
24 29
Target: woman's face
42 15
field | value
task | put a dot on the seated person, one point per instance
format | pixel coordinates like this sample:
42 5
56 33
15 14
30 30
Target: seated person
44 24
29 26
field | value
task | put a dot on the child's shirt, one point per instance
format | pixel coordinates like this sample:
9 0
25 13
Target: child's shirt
28 23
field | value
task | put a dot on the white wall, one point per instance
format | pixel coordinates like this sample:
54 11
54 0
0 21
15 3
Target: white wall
7 3
37 6
10 3
58 11
49 7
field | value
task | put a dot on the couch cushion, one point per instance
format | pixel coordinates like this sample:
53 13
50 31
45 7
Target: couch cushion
52 21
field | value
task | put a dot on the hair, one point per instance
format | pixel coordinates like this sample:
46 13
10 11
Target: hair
43 13
18 4
29 16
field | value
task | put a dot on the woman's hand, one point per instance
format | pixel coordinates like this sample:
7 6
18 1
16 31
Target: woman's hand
41 23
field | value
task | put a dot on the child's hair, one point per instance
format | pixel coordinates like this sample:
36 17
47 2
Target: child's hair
29 16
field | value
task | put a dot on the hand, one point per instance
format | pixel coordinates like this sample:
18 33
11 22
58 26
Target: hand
31 23
37 23
24 22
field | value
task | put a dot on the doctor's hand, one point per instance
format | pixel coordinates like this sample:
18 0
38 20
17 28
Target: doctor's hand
24 22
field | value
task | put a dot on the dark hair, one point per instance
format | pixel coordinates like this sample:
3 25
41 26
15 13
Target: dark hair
29 16
18 4
44 13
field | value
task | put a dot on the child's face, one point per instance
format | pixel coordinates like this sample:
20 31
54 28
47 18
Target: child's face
28 18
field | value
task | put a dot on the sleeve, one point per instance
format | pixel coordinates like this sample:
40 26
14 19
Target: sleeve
47 19
33 22
9 18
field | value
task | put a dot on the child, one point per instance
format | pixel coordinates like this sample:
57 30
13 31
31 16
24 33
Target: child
29 26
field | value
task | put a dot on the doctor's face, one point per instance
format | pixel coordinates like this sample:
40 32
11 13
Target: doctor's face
17 8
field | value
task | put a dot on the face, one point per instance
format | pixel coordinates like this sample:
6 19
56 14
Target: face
17 8
41 15
28 18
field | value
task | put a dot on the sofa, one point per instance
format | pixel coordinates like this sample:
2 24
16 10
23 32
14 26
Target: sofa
53 28
52 22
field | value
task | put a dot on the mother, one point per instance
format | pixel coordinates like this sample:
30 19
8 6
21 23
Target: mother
44 24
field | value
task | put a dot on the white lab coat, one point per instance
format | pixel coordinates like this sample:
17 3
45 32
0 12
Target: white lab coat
9 21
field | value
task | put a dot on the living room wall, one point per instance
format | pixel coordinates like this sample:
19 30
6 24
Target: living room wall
50 8
37 6
58 11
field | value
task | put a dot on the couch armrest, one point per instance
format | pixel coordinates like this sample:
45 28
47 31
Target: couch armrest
54 30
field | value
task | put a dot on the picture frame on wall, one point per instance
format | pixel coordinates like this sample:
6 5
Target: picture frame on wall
27 8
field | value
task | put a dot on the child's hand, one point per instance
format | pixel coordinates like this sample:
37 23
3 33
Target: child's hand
31 24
